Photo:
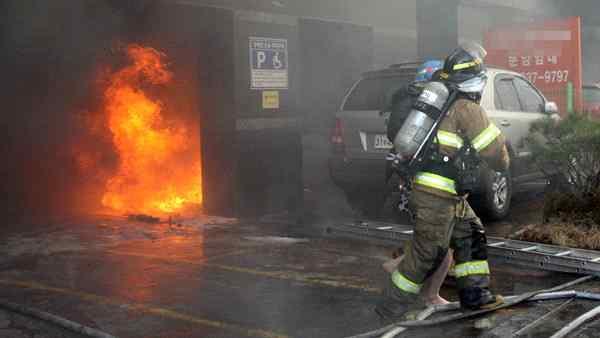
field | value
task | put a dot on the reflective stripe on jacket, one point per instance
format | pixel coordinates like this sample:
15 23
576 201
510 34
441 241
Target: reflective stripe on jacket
466 121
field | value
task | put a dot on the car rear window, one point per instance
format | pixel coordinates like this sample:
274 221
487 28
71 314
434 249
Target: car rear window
591 95
371 93
506 97
531 101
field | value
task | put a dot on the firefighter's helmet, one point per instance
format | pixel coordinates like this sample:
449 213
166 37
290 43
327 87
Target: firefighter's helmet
464 63
464 67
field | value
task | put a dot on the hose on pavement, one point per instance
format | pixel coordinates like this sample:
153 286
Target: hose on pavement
54 319
453 306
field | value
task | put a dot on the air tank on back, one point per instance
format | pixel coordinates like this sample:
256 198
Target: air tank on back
426 109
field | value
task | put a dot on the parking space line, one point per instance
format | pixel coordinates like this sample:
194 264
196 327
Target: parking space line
320 279
227 254
199 261
157 311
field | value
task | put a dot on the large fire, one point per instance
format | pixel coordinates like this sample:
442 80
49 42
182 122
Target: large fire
159 167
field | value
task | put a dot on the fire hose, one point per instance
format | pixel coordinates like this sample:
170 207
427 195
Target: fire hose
456 306
421 321
54 319
576 323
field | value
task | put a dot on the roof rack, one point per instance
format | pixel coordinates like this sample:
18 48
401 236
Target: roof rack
390 72
405 64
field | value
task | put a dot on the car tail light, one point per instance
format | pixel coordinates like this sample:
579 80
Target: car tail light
337 136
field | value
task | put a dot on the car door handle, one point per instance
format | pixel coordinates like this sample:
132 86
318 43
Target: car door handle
504 123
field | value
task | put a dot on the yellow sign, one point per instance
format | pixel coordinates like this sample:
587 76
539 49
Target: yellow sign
270 99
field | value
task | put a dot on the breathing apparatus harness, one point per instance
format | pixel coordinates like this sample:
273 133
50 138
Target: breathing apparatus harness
464 165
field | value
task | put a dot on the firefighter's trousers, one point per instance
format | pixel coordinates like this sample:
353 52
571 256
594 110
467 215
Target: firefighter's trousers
442 223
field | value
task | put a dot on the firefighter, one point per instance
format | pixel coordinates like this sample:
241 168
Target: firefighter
444 218
400 107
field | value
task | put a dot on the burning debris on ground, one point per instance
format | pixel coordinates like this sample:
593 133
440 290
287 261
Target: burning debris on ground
144 218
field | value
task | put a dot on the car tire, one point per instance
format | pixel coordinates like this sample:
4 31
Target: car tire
368 202
396 209
558 183
496 194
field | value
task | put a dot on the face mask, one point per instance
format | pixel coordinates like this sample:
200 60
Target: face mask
474 85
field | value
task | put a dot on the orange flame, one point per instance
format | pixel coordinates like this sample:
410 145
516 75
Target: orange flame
159 168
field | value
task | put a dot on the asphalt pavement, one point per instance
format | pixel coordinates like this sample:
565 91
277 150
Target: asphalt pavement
216 277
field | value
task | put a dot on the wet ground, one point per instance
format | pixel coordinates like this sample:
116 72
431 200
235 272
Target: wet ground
13 325
214 277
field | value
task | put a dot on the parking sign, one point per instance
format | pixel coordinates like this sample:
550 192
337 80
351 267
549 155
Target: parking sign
268 63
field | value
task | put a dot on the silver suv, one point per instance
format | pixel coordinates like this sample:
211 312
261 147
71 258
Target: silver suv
359 142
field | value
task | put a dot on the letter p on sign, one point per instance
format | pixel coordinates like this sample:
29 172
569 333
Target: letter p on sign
261 57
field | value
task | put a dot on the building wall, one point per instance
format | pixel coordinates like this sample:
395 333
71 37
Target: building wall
591 54
394 25
393 22
327 9
588 10
392 47
476 17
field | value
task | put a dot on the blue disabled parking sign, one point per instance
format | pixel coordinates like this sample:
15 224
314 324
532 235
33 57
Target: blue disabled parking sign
268 63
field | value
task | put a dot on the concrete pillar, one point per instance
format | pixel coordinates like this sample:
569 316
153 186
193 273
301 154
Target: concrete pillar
437 27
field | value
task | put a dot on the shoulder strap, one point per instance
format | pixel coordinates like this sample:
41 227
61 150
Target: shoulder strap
425 148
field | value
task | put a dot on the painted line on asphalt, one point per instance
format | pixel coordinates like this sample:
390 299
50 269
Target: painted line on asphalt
227 254
319 279
199 261
157 311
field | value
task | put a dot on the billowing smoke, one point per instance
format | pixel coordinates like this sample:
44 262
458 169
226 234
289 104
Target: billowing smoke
55 52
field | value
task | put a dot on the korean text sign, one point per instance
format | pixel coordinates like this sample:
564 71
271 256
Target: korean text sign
547 53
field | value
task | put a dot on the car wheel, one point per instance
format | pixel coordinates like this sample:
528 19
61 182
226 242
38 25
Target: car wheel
559 183
396 209
368 202
497 193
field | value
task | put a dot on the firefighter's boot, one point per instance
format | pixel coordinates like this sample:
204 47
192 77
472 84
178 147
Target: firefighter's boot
475 298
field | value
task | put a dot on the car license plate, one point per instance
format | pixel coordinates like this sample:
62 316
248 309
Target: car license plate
382 142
